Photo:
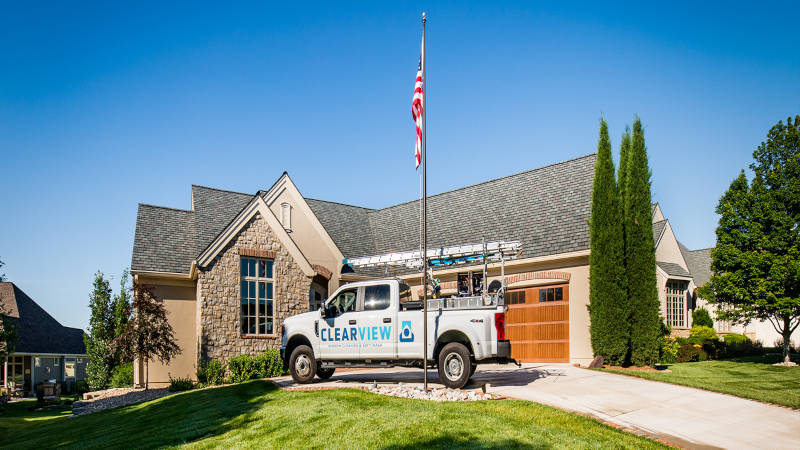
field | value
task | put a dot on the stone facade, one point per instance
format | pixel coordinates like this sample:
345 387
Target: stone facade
219 298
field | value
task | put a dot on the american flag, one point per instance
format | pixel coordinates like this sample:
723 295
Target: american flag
416 111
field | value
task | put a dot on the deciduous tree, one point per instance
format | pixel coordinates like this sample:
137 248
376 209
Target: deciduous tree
756 262
148 335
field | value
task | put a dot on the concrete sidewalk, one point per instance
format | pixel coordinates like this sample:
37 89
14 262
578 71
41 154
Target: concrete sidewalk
685 416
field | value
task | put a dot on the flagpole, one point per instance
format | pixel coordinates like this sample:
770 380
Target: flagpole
424 215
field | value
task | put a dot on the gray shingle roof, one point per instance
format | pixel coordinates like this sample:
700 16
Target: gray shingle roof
38 331
673 269
699 262
546 208
165 239
658 230
348 226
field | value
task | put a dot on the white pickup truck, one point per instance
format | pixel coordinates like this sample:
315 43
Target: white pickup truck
375 324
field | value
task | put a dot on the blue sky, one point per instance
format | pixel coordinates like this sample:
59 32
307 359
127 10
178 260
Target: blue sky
102 108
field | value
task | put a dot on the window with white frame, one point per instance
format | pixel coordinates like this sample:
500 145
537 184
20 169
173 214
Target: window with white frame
257 294
286 215
676 303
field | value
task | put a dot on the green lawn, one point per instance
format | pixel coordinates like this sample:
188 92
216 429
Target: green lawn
752 377
256 414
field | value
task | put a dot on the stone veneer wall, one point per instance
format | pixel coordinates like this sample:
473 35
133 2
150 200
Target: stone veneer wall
219 302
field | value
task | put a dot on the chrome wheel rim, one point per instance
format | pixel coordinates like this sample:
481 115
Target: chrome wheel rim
453 366
302 365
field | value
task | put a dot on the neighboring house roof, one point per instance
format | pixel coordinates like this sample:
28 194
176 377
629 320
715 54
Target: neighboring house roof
673 269
38 331
699 262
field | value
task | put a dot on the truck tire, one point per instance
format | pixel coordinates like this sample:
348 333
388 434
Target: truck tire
324 374
302 364
455 365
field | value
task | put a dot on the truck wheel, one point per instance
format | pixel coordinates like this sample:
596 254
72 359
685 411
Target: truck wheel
302 364
454 365
324 374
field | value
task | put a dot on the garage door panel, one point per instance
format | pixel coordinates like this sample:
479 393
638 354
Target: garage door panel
537 323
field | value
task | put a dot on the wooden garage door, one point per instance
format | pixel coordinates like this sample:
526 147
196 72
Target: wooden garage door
537 323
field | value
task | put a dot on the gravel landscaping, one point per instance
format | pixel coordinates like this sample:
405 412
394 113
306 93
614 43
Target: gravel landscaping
114 398
437 395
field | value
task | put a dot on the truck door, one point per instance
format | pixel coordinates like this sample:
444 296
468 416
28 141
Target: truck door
376 323
338 330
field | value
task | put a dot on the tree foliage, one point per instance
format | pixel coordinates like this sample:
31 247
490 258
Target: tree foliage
148 335
608 304
101 332
701 317
640 256
756 262
122 304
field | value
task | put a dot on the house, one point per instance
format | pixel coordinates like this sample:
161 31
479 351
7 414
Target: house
699 262
45 350
234 265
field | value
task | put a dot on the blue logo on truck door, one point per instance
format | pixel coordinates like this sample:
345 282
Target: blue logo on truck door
406 335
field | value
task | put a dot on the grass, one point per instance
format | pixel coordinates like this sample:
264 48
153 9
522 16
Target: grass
752 377
256 414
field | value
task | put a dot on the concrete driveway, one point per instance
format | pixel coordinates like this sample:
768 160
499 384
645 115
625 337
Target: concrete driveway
685 416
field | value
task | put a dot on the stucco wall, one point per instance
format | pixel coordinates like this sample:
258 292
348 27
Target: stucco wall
219 296
179 301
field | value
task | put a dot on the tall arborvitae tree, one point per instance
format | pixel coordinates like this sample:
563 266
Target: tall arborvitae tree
607 299
101 332
640 254
622 175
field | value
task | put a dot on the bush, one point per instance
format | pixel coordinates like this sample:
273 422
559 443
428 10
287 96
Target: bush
691 353
700 334
701 317
210 373
242 368
269 364
736 345
246 367
669 350
180 384
122 376
81 387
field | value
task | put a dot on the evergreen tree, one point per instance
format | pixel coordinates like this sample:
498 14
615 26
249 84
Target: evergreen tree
640 254
622 175
101 332
607 300
122 304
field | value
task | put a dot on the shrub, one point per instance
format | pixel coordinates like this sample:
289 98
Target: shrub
736 345
180 384
669 350
700 334
210 372
242 368
691 353
269 364
81 387
122 376
701 317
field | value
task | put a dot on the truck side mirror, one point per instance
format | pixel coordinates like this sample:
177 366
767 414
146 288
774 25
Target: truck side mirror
322 312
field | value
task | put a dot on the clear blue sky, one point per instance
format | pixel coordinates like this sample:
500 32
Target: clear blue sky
102 108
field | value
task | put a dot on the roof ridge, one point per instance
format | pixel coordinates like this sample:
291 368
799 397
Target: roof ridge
492 180
699 249
340 203
220 190
166 207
